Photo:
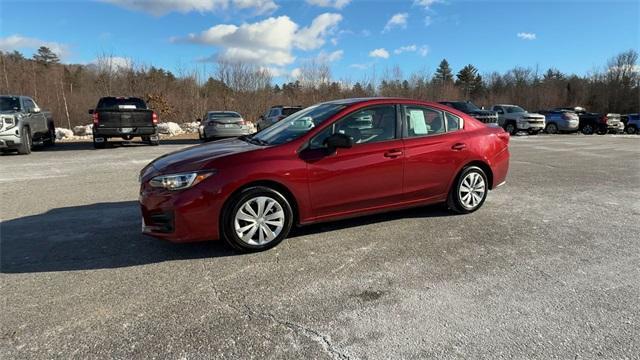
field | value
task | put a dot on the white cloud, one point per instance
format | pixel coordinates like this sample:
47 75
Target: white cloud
296 73
526 36
162 7
330 57
426 3
18 42
422 50
360 66
397 20
379 53
338 4
267 42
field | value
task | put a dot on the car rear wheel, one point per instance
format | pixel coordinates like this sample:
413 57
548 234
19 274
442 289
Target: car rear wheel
552 128
256 219
469 191
587 129
631 130
25 142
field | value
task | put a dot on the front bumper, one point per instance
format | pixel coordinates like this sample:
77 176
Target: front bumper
9 141
530 125
180 216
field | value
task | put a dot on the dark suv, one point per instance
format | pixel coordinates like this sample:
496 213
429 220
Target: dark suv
467 107
275 114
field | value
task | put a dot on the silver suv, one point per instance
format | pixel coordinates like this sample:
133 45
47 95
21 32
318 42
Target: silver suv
23 123
275 114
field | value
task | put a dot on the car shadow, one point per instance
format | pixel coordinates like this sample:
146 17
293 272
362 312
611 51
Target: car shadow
97 236
107 235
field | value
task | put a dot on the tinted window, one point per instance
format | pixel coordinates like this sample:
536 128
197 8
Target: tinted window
121 103
453 122
423 121
273 112
369 125
9 103
289 111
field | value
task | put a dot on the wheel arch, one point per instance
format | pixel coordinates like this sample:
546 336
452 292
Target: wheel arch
482 165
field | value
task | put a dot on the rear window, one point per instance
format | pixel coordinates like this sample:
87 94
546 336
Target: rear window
289 111
121 103
226 114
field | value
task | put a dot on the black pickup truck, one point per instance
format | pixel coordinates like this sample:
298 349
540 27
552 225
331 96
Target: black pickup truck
469 108
123 117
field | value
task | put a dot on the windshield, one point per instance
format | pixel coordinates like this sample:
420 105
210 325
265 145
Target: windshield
217 115
465 106
289 111
8 103
297 124
514 109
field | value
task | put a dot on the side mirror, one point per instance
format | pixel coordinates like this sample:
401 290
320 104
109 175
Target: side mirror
338 140
90 111
35 110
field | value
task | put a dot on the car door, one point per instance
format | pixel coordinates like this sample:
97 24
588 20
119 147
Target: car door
434 149
37 120
364 177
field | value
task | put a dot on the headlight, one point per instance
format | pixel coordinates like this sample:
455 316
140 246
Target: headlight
9 122
179 181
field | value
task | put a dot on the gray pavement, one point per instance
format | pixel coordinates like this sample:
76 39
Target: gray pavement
548 268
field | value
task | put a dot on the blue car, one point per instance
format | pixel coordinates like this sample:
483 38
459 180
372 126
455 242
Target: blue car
560 120
631 123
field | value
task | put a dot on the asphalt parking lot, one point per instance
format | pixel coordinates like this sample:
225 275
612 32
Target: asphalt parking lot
548 268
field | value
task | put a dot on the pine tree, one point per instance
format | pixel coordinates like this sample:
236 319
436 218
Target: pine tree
443 74
45 56
469 79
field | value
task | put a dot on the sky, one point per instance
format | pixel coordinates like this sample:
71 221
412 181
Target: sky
356 38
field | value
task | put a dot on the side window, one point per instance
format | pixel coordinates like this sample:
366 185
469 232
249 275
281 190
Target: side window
368 125
423 121
454 123
273 112
498 109
28 105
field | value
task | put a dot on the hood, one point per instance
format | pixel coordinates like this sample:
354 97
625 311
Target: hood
8 112
197 157
533 115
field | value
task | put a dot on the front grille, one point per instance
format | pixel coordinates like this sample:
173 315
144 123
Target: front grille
487 119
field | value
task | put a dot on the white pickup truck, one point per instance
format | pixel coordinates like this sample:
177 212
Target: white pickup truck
23 123
514 118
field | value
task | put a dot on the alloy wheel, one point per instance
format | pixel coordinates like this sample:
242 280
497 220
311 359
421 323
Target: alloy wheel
259 220
472 190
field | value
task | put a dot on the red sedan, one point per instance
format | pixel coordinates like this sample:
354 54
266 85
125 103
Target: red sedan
332 160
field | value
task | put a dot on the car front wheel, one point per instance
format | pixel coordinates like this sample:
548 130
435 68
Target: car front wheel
469 191
256 219
511 128
552 128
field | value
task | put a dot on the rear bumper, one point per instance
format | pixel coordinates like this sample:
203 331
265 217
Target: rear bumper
120 132
568 125
500 168
222 132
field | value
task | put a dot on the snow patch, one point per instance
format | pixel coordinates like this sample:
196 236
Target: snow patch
170 128
191 127
83 130
62 133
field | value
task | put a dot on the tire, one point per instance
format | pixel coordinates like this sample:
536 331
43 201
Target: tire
587 129
631 130
551 128
460 203
533 132
511 128
25 142
99 145
51 138
602 130
243 210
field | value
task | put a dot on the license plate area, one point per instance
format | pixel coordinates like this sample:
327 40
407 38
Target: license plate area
126 130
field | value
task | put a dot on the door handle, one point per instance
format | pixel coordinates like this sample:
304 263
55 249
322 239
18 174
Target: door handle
459 146
393 153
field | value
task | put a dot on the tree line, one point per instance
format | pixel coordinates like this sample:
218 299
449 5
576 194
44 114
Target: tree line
68 90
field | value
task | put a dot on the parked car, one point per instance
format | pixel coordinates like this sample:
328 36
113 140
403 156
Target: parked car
123 117
321 164
560 121
221 124
469 108
631 123
275 114
597 122
23 123
513 118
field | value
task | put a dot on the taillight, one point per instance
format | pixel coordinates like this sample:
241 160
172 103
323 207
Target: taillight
96 119
154 118
604 119
242 122
566 117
